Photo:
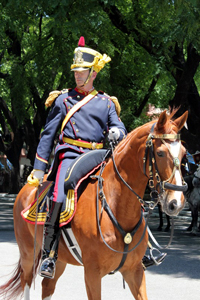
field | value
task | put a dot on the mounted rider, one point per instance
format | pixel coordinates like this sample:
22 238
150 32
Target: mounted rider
86 117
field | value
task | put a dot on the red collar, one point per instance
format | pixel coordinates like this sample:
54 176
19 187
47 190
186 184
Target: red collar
83 92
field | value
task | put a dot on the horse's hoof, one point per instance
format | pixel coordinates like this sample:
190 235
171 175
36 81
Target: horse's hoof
159 228
189 228
167 229
194 232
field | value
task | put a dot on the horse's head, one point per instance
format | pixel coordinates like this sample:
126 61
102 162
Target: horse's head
166 162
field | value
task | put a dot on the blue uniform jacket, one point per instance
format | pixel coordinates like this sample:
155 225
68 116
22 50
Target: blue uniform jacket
90 123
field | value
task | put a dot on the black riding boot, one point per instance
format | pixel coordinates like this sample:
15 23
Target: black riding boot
149 260
51 238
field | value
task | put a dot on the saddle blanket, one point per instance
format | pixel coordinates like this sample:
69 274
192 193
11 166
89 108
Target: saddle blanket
82 167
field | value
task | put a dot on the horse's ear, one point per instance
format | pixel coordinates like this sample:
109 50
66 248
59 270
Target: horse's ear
181 120
162 120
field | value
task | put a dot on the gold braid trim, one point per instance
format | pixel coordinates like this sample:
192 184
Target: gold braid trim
52 96
117 105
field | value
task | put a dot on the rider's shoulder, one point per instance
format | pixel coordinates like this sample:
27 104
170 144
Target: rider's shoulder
54 95
113 99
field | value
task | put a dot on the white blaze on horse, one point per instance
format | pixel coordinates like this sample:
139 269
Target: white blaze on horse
153 153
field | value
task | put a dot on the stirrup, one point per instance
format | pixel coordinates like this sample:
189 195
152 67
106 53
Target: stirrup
159 258
47 268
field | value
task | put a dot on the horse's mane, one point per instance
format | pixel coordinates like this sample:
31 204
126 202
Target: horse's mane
144 130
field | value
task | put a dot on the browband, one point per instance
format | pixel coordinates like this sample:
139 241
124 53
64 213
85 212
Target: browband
165 136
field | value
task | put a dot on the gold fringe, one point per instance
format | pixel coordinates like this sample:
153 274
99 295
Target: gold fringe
117 105
52 96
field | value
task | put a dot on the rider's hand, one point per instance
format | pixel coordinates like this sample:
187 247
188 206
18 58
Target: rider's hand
113 134
36 177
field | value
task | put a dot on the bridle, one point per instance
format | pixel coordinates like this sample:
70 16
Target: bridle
153 169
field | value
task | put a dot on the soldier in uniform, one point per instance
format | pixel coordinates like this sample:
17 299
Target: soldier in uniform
85 117
82 130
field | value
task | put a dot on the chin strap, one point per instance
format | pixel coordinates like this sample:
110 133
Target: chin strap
89 76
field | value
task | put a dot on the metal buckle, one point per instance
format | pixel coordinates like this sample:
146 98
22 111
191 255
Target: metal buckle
93 144
151 183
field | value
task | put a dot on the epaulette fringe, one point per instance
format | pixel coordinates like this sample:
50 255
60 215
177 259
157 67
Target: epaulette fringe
52 96
117 105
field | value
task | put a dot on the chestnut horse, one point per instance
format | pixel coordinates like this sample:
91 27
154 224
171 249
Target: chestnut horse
123 187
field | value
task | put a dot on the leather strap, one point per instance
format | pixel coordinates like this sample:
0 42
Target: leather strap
77 106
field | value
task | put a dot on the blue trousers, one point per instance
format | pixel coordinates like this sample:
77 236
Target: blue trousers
65 160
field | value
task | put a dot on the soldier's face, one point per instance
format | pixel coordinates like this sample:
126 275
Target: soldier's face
80 77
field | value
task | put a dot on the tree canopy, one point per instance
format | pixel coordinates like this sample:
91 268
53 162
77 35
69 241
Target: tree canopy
154 46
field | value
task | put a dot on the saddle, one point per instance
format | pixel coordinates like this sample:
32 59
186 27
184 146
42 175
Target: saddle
76 179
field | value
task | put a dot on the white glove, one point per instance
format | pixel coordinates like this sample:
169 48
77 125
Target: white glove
36 177
113 134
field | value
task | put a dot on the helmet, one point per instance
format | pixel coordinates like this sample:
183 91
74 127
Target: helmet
87 58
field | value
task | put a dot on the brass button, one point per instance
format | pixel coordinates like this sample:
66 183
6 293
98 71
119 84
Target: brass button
77 130
69 107
78 97
73 122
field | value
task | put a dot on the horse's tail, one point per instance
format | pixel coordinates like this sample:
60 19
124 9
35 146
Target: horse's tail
13 288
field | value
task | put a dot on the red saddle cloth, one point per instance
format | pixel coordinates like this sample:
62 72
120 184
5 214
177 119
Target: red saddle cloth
39 207
79 171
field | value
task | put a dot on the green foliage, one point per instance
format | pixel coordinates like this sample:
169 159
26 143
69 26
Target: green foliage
38 39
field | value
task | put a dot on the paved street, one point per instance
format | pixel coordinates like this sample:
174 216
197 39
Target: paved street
177 278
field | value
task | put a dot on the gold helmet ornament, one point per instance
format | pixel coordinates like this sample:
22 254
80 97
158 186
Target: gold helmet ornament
87 58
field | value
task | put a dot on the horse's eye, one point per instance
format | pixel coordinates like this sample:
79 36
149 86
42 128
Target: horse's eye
160 153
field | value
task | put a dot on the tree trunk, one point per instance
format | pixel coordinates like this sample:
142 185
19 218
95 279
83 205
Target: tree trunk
187 96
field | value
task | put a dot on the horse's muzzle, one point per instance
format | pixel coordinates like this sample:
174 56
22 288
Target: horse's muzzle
173 206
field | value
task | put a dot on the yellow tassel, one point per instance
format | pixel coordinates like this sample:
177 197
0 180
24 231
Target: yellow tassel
117 105
52 96
33 181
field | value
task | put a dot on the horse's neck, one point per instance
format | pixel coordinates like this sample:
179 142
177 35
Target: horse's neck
123 202
129 161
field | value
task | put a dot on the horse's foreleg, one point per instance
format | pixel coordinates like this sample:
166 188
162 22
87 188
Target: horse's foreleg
48 285
168 223
136 282
92 282
194 219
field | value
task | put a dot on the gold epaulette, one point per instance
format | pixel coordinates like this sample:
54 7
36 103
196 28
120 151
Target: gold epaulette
53 95
117 105
116 102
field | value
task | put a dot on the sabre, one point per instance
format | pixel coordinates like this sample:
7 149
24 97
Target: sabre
37 198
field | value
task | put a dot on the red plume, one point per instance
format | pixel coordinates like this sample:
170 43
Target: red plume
81 42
